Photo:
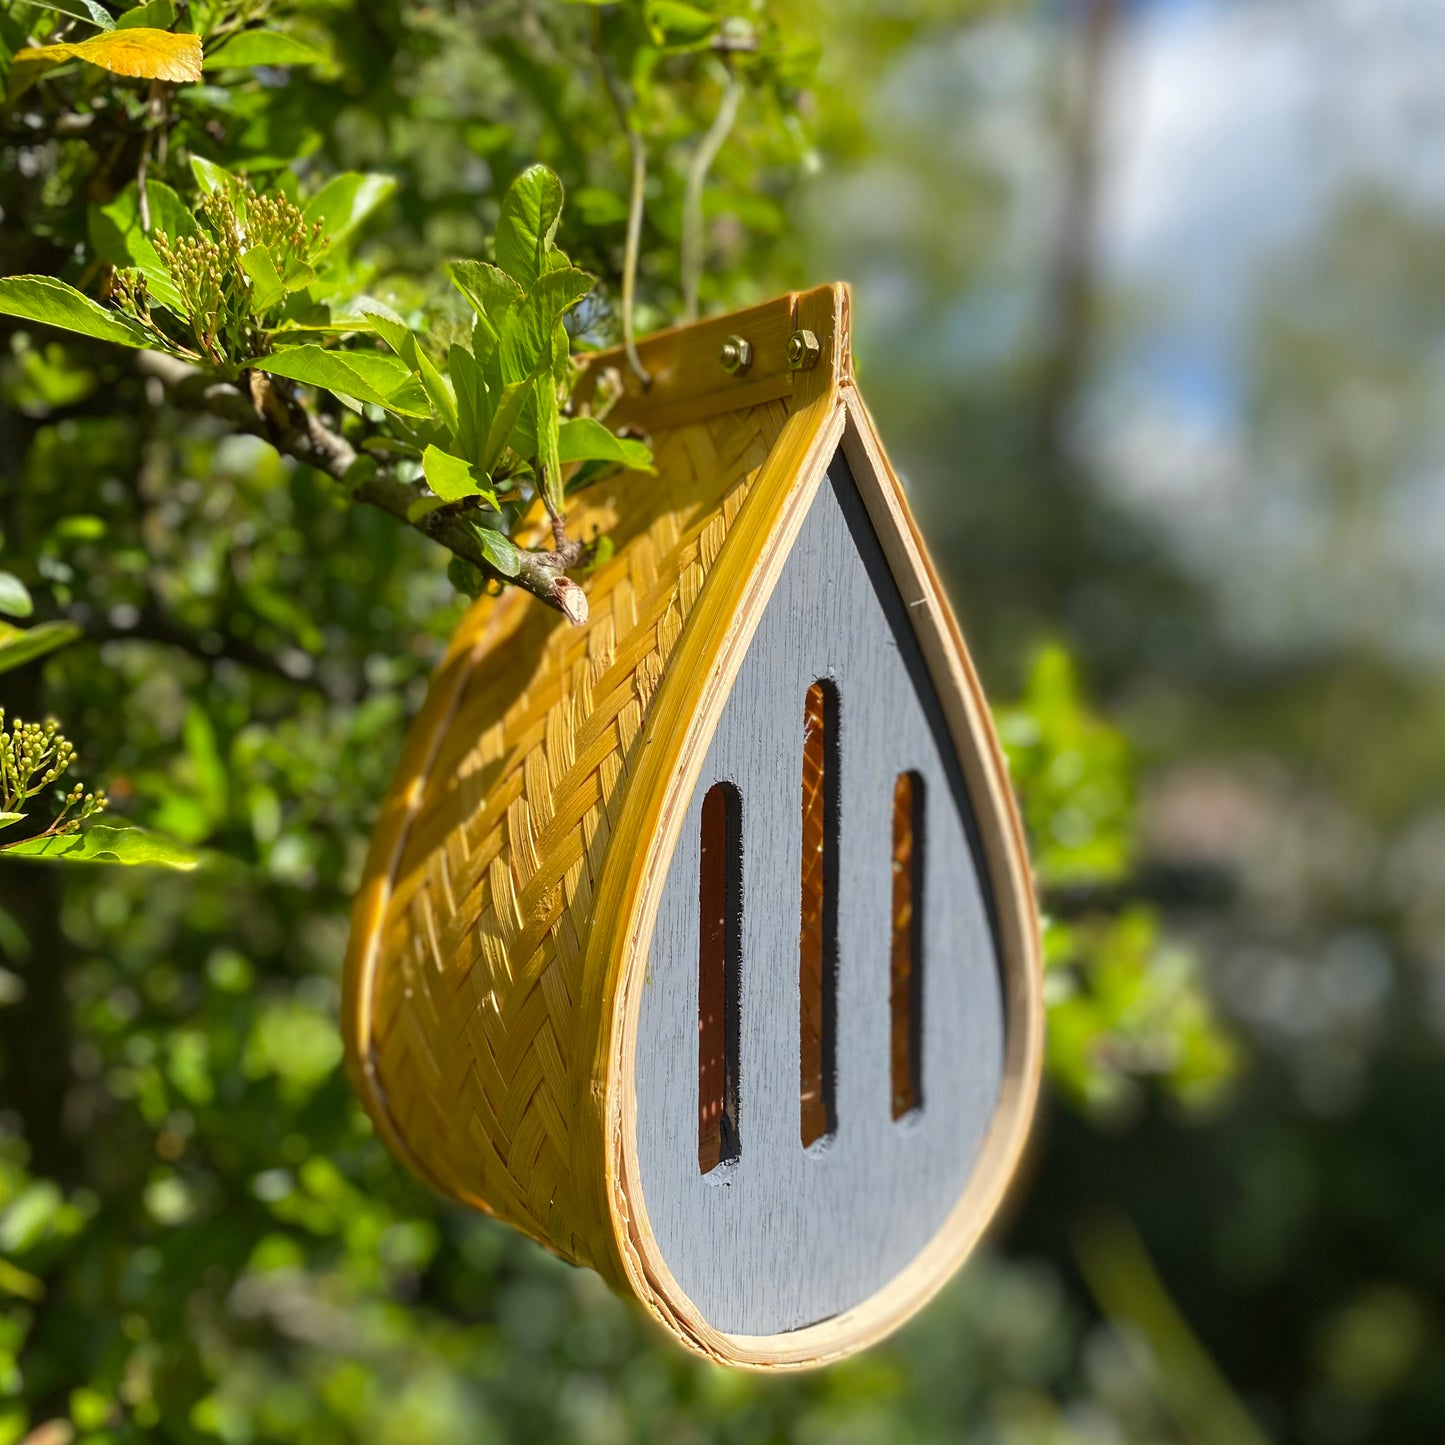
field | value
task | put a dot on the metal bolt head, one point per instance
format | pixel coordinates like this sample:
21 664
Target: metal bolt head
736 355
803 350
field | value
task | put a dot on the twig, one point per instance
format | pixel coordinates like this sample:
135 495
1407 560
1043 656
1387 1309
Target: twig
706 153
267 407
636 197
155 116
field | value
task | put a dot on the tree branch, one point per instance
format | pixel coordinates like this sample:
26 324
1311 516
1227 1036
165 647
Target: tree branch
267 407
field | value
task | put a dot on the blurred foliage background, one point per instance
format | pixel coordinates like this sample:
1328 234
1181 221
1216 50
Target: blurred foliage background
1186 500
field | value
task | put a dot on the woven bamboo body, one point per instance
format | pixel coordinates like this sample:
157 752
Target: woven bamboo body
501 930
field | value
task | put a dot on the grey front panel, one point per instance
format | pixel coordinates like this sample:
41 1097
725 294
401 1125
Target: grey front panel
783 1237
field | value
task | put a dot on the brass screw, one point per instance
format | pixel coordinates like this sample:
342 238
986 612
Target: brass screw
803 351
736 355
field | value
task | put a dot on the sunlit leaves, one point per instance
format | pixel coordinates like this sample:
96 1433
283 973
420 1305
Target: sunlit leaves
116 233
526 336
528 223
367 376
471 395
267 285
209 176
507 391
1127 1005
1073 771
582 439
448 476
45 299
499 550
490 290
106 843
341 205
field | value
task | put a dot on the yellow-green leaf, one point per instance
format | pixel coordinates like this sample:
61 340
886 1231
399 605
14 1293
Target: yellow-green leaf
584 439
267 287
448 476
107 843
370 376
21 645
149 54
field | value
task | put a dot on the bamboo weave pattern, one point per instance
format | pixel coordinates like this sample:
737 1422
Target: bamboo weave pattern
477 1042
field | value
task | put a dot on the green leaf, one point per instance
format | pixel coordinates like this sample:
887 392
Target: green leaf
547 440
107 843
14 596
448 476
9 820
584 439
384 381
674 23
115 232
471 399
263 47
504 419
491 292
398 335
342 204
526 336
499 550
527 224
298 275
211 177
21 645
267 287
389 326
438 389
44 299
80 10
158 13
169 213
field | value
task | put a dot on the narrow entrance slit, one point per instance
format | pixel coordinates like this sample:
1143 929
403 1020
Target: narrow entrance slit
719 983
905 1001
818 936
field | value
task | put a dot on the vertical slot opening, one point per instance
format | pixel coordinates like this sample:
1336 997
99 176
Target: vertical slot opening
720 907
818 937
905 1000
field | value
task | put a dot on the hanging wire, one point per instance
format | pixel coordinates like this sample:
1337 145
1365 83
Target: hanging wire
638 151
691 263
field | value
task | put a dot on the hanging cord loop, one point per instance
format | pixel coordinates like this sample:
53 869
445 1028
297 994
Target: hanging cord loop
691 263
638 149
